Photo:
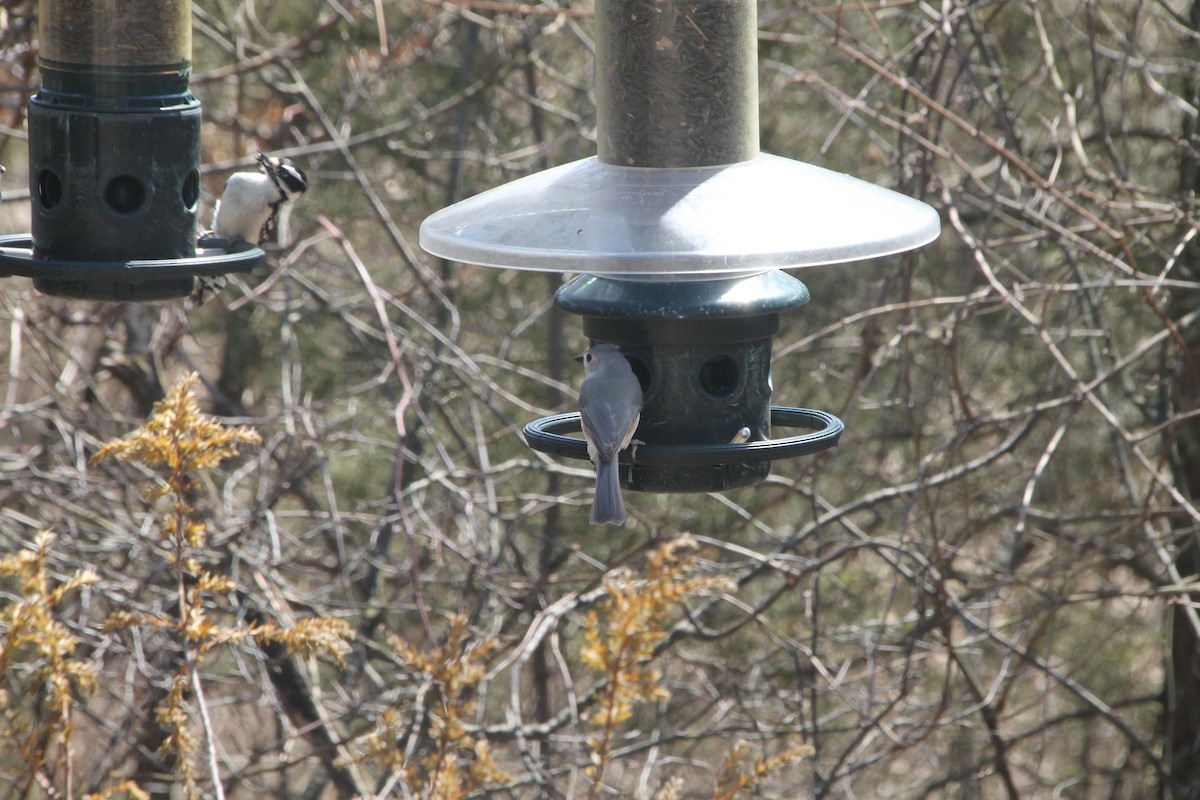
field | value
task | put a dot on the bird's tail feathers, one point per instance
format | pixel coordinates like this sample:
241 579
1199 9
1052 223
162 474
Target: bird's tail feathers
608 505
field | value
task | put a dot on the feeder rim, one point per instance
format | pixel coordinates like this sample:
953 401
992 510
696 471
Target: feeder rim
213 257
545 435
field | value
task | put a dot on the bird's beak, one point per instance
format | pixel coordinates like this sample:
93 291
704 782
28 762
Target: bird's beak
578 358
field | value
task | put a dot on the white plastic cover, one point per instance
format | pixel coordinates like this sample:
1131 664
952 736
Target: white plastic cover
766 213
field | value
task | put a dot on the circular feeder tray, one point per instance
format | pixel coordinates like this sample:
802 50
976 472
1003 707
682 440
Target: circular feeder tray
546 435
213 257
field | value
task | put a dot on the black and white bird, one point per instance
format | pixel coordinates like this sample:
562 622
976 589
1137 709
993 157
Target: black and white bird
252 207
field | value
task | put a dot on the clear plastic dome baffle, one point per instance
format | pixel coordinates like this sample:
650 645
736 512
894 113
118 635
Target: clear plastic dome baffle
764 213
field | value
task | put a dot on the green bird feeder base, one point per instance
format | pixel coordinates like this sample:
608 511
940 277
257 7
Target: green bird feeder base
702 352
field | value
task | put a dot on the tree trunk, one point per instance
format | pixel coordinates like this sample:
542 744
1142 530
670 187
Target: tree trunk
1182 694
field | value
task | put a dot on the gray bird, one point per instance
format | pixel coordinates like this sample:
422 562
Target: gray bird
610 405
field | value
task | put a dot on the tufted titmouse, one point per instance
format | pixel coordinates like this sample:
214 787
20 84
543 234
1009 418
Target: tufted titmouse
610 405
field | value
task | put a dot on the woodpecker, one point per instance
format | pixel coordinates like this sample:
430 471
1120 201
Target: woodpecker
251 208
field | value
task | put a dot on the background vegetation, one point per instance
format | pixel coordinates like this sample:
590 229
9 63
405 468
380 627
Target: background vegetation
988 590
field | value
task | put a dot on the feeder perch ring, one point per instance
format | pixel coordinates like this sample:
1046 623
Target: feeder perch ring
213 257
546 435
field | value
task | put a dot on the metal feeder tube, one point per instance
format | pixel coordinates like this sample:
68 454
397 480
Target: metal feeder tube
676 82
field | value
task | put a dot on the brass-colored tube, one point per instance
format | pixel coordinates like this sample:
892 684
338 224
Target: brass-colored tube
117 33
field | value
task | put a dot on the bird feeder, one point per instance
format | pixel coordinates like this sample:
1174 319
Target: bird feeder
681 228
114 157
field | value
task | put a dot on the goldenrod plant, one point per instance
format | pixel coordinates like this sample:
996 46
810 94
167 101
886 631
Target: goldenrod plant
127 789
736 777
176 442
622 633
436 748
621 639
457 762
41 675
